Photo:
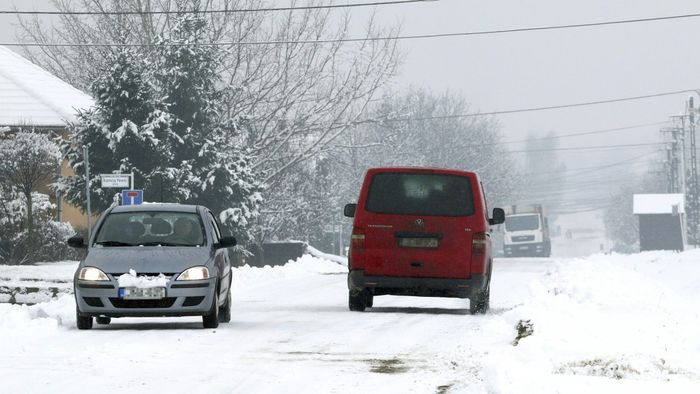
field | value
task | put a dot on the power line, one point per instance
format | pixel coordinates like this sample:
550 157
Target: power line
562 106
602 131
224 11
333 40
599 147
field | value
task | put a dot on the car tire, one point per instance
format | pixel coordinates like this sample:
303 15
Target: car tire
480 303
357 300
211 319
225 310
83 322
103 320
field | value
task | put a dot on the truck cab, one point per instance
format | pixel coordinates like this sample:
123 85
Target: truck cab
526 232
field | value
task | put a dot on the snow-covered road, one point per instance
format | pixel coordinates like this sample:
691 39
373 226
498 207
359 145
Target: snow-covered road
604 324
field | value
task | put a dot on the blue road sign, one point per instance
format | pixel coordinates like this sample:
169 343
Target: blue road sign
132 197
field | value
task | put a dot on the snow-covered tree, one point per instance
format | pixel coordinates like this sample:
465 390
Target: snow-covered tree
127 130
28 161
161 118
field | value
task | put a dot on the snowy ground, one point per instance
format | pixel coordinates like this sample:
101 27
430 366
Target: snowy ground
603 324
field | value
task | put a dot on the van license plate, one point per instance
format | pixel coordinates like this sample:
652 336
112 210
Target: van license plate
418 242
135 293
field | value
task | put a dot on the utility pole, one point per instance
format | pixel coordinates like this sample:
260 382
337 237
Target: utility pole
86 157
692 199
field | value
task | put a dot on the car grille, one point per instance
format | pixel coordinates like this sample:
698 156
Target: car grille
132 304
116 275
523 238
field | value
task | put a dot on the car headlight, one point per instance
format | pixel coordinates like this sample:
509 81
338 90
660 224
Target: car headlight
92 274
194 273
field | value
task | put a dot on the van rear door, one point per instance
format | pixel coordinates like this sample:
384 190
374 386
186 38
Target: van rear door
418 224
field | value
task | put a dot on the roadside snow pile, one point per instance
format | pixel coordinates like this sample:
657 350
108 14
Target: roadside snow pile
613 316
59 312
132 279
303 266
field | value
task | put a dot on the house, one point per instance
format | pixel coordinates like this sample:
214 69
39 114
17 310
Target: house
662 221
31 98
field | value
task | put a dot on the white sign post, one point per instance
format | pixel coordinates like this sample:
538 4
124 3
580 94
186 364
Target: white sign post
118 181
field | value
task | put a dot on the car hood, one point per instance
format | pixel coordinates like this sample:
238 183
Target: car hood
147 259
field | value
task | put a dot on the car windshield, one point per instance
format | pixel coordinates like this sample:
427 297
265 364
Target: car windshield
420 194
151 229
522 223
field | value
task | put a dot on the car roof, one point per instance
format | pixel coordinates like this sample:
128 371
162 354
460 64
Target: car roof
435 170
150 207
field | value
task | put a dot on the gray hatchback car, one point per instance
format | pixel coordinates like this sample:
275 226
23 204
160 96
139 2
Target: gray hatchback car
154 260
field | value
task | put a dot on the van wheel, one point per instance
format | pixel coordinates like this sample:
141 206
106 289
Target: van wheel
480 303
211 320
83 322
357 300
103 320
370 299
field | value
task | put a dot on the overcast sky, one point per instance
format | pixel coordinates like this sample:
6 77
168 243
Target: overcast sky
519 70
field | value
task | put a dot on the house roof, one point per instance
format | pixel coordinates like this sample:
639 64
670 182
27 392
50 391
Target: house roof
31 96
647 204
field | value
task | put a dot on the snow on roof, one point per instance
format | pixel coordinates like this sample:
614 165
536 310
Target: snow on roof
645 204
31 96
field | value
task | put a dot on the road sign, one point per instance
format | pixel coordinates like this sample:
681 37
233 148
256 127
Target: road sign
115 180
132 197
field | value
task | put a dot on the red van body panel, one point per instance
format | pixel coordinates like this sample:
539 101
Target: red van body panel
392 247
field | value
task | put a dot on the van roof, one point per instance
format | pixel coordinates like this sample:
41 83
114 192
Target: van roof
448 171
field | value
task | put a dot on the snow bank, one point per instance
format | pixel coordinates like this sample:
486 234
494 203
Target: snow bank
325 256
606 316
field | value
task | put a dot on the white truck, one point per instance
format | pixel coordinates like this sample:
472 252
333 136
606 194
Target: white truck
526 232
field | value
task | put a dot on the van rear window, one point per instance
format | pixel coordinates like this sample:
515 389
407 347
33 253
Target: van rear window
420 194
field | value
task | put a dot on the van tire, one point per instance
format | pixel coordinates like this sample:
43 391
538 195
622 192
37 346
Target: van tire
480 303
357 300
83 322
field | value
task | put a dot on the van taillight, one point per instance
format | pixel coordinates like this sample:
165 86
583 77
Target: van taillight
358 239
479 243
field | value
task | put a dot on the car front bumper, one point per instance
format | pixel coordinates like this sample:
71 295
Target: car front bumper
191 298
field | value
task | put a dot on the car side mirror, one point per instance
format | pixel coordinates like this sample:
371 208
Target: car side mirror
77 242
499 216
349 210
226 242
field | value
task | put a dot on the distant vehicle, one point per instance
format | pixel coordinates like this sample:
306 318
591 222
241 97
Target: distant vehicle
420 232
154 260
526 232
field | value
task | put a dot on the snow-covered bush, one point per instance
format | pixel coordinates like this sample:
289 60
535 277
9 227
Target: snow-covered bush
49 240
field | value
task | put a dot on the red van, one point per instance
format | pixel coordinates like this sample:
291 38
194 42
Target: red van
421 232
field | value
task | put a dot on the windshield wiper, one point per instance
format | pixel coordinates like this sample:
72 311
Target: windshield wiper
113 243
162 243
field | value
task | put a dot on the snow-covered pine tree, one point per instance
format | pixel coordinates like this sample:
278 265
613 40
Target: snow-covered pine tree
127 130
208 164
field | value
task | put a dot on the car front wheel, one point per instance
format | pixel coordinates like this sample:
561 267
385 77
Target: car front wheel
211 319
225 310
83 322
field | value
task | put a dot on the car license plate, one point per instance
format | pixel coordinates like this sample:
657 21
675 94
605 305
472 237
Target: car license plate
524 247
418 242
135 293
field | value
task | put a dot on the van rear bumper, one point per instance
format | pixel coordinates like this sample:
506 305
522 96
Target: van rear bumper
426 287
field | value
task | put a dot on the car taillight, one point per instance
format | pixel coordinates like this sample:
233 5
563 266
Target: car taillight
479 243
357 239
